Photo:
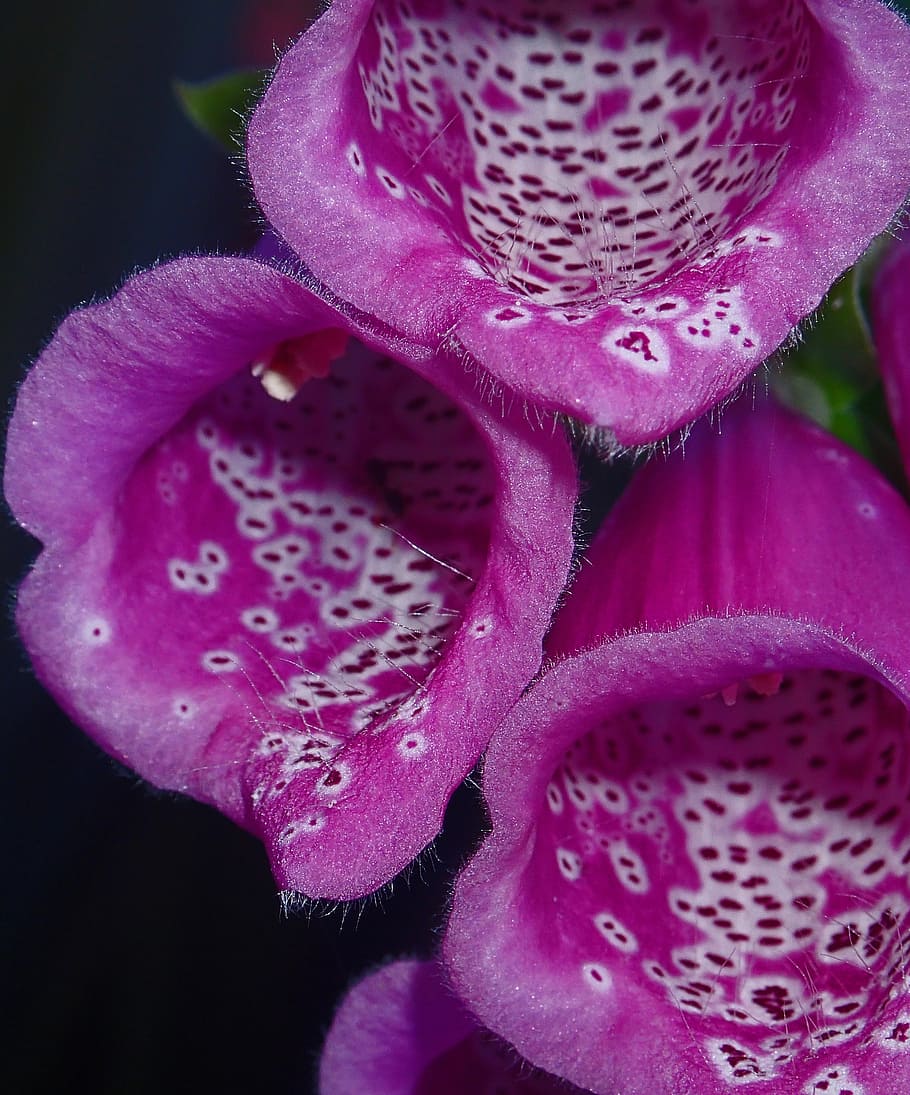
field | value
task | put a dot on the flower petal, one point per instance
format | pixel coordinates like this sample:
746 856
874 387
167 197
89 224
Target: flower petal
617 209
696 878
310 614
401 1031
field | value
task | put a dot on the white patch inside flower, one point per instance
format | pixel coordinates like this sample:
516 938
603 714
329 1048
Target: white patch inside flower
483 628
166 490
640 346
220 661
355 159
97 631
313 692
308 825
746 239
439 190
282 559
509 315
616 933
261 619
411 746
390 183
293 640
896 1034
597 977
473 268
629 867
201 576
207 433
735 1063
833 1081
183 708
723 320
568 317
569 863
611 796
336 780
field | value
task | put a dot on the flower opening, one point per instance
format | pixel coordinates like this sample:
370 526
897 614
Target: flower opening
295 609
604 204
699 814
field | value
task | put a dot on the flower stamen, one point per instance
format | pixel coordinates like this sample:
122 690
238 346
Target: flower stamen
285 370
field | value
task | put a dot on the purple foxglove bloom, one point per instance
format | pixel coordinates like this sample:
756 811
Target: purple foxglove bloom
617 209
401 1031
310 611
697 878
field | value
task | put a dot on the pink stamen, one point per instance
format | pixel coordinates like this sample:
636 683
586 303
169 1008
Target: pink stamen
730 694
766 684
291 364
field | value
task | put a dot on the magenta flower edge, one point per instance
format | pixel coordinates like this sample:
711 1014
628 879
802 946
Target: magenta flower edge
617 210
310 613
401 1031
696 879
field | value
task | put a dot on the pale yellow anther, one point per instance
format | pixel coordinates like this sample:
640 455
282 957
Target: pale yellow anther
279 385
285 370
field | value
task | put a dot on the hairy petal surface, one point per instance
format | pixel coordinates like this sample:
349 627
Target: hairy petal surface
310 612
696 880
617 208
401 1031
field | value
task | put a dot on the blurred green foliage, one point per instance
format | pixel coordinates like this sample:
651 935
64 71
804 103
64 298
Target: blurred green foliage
832 374
220 107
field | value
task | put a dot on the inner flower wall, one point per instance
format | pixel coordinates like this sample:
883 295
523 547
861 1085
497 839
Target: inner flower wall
744 859
313 555
583 152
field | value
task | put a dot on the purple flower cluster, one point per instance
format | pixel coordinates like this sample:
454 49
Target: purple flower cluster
307 517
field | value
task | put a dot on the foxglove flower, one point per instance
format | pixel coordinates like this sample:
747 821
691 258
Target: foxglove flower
617 209
401 1031
309 613
697 878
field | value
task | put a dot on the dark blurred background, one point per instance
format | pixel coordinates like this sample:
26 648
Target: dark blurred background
143 946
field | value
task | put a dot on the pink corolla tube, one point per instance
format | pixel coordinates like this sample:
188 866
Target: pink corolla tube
401 1031
292 574
616 209
697 877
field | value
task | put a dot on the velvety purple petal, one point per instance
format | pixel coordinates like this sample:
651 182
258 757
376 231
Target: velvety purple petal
401 1031
309 613
617 209
891 328
696 880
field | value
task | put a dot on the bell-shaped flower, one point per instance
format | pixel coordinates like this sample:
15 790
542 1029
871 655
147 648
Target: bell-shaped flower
616 209
401 1031
697 877
282 571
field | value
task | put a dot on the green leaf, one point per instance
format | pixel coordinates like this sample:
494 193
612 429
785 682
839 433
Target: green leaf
220 107
832 374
